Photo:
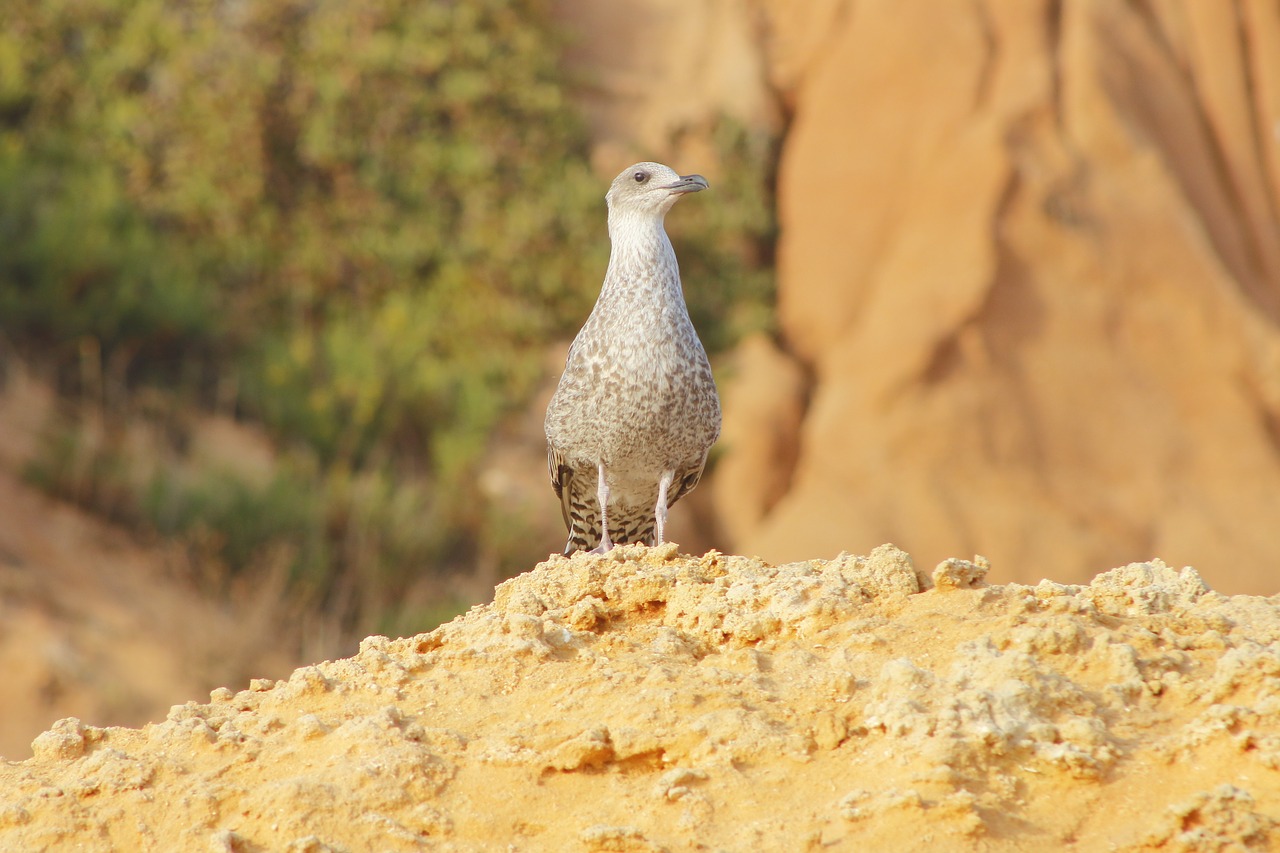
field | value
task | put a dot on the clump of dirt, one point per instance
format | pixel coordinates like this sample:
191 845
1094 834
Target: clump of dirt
644 700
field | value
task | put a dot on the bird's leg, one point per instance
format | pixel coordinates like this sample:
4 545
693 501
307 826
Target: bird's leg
660 509
602 495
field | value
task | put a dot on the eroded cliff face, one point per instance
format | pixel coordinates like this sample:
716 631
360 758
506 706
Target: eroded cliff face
1032 257
1029 273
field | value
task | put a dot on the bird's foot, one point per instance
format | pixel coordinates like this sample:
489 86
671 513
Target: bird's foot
603 548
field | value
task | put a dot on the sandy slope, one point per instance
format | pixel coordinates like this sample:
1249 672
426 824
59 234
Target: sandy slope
647 701
97 623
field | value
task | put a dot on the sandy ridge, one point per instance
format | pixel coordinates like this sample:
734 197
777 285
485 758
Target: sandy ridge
648 701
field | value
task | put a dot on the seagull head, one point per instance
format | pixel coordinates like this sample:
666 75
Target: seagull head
650 188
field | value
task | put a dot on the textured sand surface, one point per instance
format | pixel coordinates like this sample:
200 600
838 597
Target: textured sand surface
648 701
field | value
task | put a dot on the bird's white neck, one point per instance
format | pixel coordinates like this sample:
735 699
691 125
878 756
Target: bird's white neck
641 259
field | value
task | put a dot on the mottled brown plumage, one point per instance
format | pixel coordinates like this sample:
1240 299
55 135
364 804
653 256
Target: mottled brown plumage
636 411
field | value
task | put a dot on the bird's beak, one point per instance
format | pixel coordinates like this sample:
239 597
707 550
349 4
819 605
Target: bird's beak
688 184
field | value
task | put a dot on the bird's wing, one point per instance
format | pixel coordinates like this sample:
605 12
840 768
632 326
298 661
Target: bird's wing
560 476
685 480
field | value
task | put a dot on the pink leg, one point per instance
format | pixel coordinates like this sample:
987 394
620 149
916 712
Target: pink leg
660 509
602 495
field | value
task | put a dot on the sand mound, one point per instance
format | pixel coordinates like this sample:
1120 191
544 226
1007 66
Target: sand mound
647 701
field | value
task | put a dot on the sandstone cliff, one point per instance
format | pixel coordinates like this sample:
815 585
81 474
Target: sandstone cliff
1031 255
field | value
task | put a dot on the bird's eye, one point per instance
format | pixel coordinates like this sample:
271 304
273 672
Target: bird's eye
641 176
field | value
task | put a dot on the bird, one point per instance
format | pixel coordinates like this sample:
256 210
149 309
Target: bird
636 410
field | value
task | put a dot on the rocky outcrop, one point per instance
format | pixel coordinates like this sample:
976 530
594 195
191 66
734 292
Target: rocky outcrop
1031 254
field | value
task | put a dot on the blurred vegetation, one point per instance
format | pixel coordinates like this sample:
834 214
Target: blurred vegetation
356 225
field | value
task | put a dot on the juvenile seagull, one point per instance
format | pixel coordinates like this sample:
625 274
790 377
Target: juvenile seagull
636 410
